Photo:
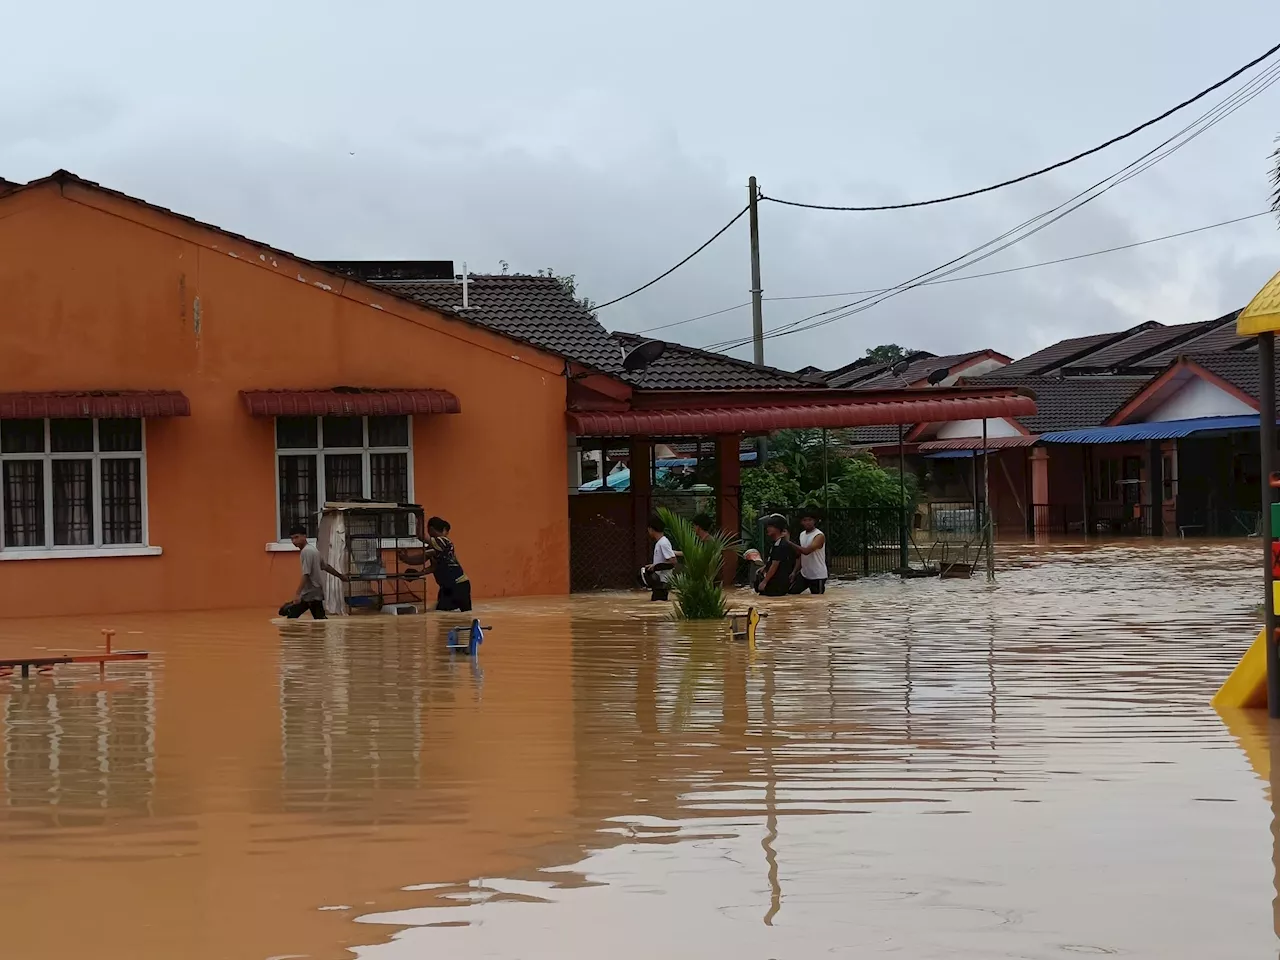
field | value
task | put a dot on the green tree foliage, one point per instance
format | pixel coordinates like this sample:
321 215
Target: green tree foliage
568 283
888 353
696 583
1275 182
793 478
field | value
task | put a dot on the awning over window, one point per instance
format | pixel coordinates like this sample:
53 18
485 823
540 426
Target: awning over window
762 419
94 403
975 443
1156 430
348 402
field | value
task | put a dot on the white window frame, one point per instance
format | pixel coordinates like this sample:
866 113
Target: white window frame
50 550
283 543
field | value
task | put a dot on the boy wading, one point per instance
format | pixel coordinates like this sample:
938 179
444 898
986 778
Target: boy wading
439 557
775 581
657 575
812 548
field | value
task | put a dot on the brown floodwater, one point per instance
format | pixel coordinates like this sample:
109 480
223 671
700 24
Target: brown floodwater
920 769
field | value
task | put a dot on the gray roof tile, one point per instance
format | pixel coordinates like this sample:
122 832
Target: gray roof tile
536 310
1066 351
1068 403
688 368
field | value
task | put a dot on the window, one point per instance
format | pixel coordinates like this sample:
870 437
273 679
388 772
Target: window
1167 489
71 483
320 459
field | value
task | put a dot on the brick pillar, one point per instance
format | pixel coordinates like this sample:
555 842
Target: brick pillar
640 460
1040 519
728 487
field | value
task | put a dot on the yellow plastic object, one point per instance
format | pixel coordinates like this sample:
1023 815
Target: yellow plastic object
1247 685
1262 315
1252 731
742 626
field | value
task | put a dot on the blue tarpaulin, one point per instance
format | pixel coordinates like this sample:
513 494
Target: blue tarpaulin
1159 430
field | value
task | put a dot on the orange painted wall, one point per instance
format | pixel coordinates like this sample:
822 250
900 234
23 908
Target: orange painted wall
101 292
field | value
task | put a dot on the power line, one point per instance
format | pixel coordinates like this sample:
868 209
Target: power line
1204 122
978 276
1043 170
704 316
714 237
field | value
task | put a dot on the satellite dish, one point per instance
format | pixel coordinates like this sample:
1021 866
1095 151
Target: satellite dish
899 368
639 357
937 376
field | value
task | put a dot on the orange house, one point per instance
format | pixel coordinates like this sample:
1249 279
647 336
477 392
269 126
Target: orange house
174 397
167 408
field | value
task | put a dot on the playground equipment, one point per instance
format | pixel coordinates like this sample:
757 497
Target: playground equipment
44 665
743 626
466 638
1247 685
1260 666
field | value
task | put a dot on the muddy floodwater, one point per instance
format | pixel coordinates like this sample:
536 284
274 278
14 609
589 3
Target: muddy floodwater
915 770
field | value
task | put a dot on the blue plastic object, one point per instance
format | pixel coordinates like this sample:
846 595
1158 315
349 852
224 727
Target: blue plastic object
474 637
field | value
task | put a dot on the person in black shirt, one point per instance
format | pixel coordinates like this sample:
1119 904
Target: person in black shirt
441 561
776 581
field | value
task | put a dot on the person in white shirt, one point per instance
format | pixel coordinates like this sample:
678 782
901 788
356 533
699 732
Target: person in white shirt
657 575
812 547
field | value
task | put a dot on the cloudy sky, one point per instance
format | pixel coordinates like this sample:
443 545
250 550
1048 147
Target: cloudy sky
609 141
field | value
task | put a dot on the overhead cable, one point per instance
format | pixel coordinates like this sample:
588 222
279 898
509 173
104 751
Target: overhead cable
661 276
1035 224
1043 170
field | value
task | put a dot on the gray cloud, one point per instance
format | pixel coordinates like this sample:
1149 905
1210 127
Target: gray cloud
609 145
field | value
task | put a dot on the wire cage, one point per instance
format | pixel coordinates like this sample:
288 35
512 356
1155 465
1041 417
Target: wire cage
378 546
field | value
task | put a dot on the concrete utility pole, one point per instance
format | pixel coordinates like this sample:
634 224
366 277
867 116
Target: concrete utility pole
757 293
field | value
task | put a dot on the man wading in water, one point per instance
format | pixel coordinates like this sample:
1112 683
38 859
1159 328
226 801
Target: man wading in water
310 595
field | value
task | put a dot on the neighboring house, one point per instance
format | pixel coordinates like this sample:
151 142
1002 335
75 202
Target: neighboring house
1065 469
174 396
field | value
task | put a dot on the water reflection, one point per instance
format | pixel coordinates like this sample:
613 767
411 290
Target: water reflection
73 747
912 768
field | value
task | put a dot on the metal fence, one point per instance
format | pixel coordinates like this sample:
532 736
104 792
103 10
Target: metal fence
861 541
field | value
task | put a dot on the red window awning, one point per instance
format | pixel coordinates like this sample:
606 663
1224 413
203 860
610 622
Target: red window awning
762 419
94 403
348 402
975 443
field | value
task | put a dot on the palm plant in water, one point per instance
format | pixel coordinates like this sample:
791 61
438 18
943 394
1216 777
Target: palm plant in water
696 584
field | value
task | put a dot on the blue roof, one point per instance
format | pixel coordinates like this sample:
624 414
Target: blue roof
956 454
1158 430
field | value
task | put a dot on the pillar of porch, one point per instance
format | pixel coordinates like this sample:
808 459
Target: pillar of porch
728 493
640 460
1040 512
1169 479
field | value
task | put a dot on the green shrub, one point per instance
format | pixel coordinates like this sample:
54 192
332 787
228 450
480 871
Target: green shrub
696 584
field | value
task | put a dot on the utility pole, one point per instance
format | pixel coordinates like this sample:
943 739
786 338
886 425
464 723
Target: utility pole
757 294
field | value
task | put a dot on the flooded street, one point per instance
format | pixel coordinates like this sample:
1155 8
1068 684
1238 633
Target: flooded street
920 769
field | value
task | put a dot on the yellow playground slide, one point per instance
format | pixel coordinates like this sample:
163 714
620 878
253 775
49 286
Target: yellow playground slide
1247 685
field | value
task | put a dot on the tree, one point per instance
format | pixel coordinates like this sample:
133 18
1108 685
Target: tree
1275 182
888 353
568 283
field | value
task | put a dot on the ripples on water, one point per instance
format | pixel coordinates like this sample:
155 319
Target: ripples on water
917 769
